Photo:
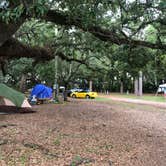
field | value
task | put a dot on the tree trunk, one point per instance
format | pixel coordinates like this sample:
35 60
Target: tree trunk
7 30
155 79
65 92
1 76
121 87
56 86
140 83
90 85
65 95
22 83
136 86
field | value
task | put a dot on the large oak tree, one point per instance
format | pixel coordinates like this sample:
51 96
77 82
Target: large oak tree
113 21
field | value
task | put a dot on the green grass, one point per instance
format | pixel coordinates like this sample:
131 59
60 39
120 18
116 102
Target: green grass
102 99
57 142
153 98
147 97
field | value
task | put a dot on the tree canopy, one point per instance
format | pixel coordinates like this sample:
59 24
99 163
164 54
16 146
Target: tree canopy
108 35
117 22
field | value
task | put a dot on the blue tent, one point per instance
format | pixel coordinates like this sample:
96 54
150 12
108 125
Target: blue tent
41 91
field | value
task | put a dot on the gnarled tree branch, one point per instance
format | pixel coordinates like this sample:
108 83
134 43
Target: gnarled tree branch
102 34
12 48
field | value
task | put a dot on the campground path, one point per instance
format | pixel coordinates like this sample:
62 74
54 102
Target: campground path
136 101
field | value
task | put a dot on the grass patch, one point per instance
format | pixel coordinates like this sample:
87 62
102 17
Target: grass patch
23 159
154 98
57 142
147 97
78 160
102 99
144 97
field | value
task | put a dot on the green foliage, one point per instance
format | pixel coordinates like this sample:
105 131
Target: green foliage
76 160
57 142
16 68
35 32
12 14
104 63
46 72
38 8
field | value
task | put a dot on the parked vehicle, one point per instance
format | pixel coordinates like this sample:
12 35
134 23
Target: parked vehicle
69 92
84 94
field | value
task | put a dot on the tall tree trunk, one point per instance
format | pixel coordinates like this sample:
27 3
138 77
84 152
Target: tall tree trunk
155 79
56 86
136 86
22 82
67 83
90 85
1 76
65 95
121 87
65 92
140 83
7 30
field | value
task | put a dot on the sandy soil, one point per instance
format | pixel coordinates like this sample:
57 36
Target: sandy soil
85 132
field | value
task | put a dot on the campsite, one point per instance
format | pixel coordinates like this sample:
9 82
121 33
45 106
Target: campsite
13 101
102 133
82 83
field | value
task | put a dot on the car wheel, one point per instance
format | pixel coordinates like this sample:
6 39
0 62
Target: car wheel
73 96
87 97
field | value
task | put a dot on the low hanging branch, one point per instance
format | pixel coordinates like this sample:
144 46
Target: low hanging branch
102 34
7 30
12 48
80 61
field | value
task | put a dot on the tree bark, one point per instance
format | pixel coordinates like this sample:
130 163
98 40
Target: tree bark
22 82
65 94
7 30
136 86
12 48
140 83
1 76
121 87
103 34
90 85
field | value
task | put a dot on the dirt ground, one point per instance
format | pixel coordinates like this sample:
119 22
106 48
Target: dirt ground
85 132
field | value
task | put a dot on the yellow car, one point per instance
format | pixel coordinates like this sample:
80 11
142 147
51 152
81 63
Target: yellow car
84 94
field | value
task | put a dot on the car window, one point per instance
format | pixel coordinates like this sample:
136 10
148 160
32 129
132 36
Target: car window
84 91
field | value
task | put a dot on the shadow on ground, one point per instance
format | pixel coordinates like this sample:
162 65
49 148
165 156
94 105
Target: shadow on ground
14 110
